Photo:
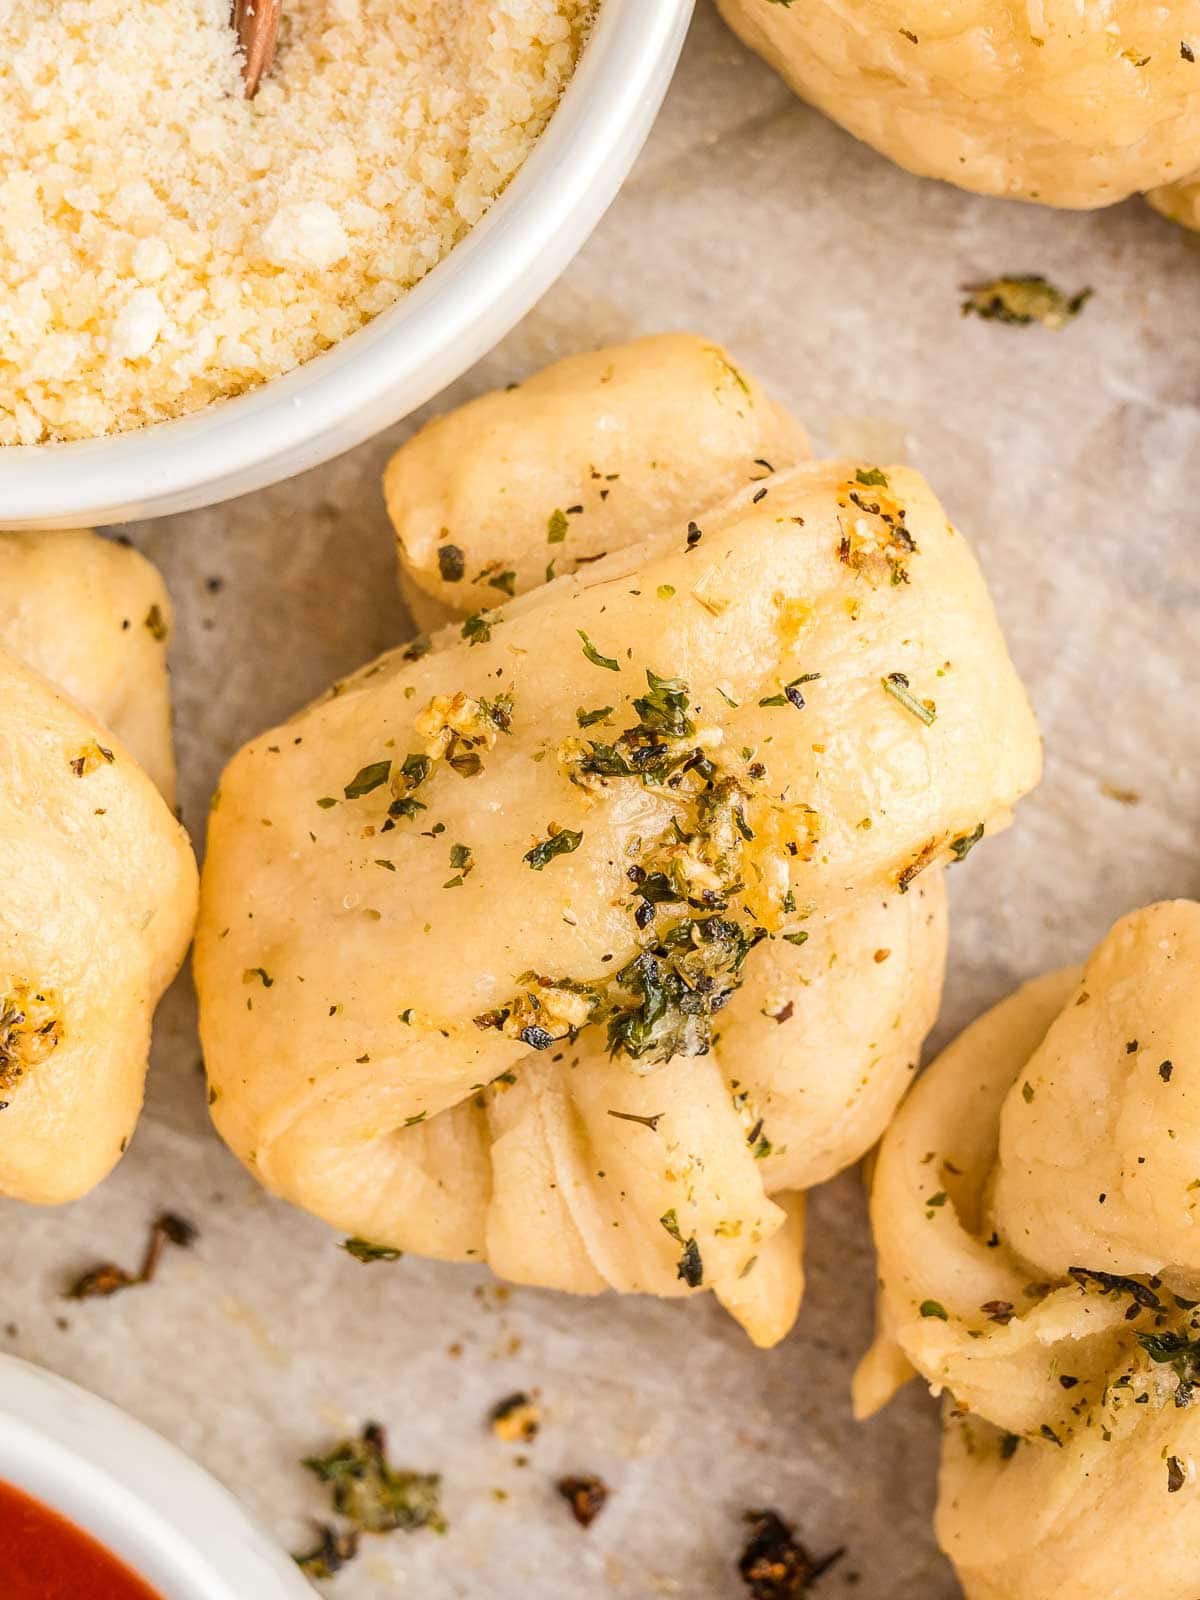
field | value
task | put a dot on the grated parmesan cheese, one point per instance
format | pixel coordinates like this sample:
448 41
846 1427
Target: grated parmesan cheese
166 242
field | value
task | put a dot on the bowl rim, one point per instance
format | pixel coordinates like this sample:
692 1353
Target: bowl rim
415 348
139 1496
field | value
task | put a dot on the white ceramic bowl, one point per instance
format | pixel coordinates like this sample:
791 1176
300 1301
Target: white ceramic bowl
425 341
138 1495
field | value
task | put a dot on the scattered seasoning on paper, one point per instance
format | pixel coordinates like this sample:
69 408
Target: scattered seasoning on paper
586 1495
371 1494
107 1279
364 1250
1019 301
332 1552
516 1419
775 1565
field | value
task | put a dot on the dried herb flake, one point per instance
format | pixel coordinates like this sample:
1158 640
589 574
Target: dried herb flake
364 1250
1019 300
334 1550
586 1496
966 842
366 779
896 684
775 1565
690 1268
477 629
371 1494
108 1278
516 1419
790 694
561 843
594 656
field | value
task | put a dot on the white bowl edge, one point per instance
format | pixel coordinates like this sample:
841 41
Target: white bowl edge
142 1498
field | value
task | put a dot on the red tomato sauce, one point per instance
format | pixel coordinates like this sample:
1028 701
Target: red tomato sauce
45 1557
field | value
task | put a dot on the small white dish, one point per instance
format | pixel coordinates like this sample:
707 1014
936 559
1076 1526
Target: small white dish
139 1496
409 352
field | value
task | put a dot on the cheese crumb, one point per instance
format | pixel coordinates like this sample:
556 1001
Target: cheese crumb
305 236
137 325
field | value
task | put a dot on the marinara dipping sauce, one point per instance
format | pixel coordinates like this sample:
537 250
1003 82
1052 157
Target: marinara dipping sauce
45 1557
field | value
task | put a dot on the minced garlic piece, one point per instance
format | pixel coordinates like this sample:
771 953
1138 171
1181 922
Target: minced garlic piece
31 1028
473 721
167 242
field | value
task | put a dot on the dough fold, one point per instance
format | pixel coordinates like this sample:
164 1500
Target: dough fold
592 454
1066 103
100 882
1034 1208
585 939
94 617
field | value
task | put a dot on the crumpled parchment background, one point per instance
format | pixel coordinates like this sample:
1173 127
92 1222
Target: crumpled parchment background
1072 460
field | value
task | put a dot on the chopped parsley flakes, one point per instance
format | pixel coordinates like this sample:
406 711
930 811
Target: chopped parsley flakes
371 1494
966 842
364 1250
367 778
790 694
594 656
690 1268
562 842
477 629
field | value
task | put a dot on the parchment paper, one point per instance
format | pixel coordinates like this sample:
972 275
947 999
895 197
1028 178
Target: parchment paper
1072 460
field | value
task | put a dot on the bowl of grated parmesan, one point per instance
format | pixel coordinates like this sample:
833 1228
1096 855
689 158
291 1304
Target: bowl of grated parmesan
206 288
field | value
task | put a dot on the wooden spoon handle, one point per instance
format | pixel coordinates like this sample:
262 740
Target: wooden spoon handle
257 24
